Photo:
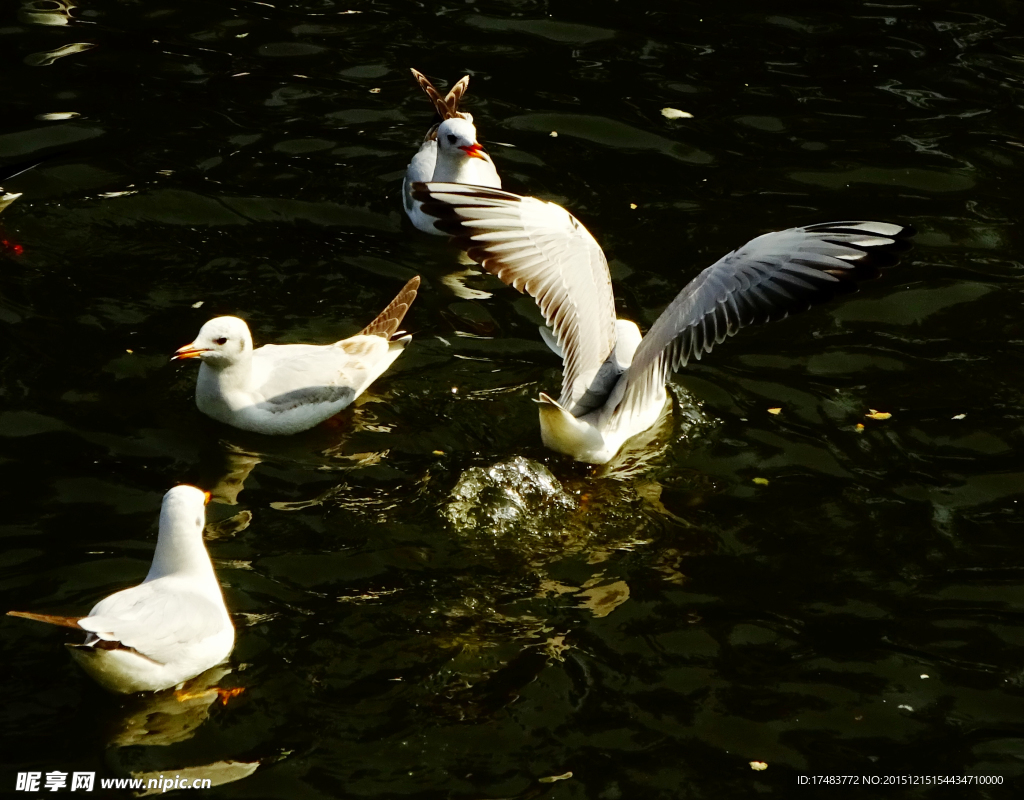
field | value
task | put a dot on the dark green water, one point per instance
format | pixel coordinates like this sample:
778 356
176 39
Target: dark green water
651 632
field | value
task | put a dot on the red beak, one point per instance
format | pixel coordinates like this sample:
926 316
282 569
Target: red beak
188 351
473 150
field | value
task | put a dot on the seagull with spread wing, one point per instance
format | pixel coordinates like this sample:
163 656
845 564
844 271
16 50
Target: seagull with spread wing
172 626
286 388
613 379
450 152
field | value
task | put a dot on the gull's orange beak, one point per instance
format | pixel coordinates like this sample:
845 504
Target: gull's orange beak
473 150
206 498
188 351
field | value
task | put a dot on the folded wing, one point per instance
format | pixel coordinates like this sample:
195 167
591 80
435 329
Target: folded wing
542 250
768 278
153 621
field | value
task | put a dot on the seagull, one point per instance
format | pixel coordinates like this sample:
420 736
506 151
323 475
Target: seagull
172 626
613 379
281 389
450 152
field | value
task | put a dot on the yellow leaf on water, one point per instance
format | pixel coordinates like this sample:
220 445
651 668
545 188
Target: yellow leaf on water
554 134
675 113
860 427
758 766
761 481
552 778
959 416
632 205
777 410
878 414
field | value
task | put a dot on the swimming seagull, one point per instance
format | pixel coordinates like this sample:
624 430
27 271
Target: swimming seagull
287 388
450 152
172 626
613 380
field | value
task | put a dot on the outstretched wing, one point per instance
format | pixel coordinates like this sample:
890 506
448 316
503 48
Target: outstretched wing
768 278
542 250
447 107
154 620
388 320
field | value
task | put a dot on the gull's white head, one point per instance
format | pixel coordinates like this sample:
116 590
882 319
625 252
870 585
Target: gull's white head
184 507
220 343
457 137
179 545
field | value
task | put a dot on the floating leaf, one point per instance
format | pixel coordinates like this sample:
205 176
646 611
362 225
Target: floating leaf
552 778
554 134
633 206
776 410
959 416
675 113
761 481
374 91
758 766
859 427
878 414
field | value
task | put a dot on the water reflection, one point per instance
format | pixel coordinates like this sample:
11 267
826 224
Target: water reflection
148 734
46 12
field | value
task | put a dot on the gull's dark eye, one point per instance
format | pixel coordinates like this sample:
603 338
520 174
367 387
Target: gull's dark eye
452 138
221 340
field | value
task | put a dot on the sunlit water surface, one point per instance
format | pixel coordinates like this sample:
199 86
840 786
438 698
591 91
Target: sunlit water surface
429 604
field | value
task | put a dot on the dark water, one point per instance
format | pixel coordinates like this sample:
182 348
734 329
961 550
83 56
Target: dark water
421 612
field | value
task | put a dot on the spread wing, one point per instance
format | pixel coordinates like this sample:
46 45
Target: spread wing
542 250
447 107
155 619
387 321
768 278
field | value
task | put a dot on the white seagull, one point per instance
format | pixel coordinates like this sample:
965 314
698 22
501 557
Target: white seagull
286 388
613 379
172 626
450 152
